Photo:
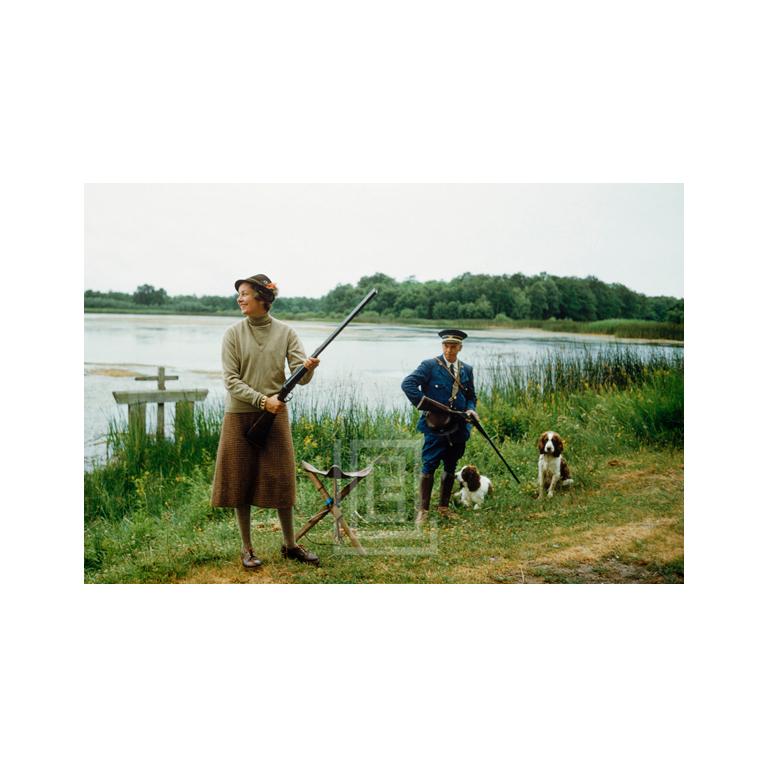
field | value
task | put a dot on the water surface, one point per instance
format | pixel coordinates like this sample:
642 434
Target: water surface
369 360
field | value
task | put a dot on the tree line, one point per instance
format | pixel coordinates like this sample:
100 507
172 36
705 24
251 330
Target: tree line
485 297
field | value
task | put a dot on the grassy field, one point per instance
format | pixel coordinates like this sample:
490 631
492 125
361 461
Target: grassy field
148 518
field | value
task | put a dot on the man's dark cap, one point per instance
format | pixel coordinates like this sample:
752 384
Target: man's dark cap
452 336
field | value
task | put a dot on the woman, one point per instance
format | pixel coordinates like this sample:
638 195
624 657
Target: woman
253 355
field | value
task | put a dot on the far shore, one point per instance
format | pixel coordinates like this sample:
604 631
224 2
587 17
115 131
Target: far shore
636 331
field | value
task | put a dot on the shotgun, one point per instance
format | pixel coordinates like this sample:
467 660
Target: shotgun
430 405
260 428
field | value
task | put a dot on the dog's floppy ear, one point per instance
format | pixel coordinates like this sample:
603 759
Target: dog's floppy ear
472 476
558 441
542 442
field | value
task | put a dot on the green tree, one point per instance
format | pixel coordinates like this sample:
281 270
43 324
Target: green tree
629 300
675 314
544 296
341 299
447 310
519 303
480 309
387 288
414 297
538 305
148 295
577 301
607 304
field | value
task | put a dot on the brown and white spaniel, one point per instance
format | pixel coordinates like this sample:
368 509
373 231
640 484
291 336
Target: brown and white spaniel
552 466
473 487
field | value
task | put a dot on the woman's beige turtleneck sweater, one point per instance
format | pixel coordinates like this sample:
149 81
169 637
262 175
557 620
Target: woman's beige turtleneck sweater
253 357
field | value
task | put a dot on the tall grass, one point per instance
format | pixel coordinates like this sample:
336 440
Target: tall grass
637 329
141 467
598 399
563 373
633 394
628 329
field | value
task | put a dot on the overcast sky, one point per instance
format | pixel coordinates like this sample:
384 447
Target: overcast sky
198 238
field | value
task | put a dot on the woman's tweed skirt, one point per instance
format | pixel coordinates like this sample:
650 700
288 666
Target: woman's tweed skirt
263 477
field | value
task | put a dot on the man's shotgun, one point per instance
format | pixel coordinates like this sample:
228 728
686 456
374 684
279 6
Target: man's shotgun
258 432
428 404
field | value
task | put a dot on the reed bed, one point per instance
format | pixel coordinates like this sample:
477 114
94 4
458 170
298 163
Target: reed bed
644 393
628 329
564 373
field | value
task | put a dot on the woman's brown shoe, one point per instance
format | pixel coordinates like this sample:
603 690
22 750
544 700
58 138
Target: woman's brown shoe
299 553
250 560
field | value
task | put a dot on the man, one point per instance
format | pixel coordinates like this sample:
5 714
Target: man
449 381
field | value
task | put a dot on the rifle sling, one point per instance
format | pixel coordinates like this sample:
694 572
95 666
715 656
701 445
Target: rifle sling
457 385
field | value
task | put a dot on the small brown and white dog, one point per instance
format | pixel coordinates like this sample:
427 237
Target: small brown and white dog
552 466
473 487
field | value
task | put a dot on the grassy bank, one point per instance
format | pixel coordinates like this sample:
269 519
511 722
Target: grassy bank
627 329
148 518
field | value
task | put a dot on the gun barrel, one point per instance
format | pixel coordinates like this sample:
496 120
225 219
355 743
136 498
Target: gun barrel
482 431
259 430
299 373
350 317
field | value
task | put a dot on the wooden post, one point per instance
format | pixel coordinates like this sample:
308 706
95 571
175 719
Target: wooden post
161 378
161 406
184 423
185 407
137 418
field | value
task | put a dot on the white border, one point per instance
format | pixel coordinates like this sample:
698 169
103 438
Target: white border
422 91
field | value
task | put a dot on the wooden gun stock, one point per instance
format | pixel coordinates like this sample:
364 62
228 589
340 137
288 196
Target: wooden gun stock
432 406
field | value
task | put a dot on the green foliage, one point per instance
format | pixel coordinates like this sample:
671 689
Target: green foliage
653 412
465 297
148 295
637 329
628 329
141 467
607 393
612 394
675 313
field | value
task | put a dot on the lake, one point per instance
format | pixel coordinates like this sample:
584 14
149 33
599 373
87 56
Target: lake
369 359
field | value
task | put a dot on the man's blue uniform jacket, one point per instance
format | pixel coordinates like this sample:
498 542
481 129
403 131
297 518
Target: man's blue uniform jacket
432 380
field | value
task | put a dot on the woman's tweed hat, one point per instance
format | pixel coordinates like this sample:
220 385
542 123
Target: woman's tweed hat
263 286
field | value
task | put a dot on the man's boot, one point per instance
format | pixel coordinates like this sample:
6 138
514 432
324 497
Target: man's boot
446 486
425 494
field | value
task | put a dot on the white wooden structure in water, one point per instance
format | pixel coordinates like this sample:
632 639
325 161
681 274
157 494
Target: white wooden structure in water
136 401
